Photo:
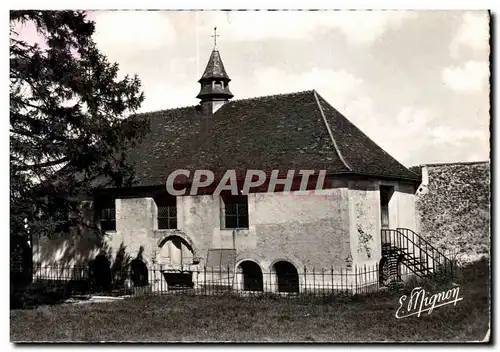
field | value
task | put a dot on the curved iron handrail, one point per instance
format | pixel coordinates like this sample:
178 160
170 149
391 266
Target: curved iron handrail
420 238
400 238
424 251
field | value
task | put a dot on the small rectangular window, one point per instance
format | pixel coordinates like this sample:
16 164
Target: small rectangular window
167 217
167 212
107 215
385 196
235 212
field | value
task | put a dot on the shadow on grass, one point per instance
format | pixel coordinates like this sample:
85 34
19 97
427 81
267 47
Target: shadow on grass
45 293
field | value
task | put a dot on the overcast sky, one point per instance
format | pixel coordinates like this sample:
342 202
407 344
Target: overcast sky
417 83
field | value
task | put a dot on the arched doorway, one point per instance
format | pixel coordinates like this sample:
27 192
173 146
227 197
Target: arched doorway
176 251
252 276
287 277
138 273
176 255
101 273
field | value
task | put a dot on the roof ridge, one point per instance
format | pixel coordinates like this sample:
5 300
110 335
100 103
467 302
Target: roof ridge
154 112
454 163
327 125
272 95
165 110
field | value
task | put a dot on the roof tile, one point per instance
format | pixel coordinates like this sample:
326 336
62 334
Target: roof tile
278 132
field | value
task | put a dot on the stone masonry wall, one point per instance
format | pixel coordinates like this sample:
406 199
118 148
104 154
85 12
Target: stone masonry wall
453 208
338 229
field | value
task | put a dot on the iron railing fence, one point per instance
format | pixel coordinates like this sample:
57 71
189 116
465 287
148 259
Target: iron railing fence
85 279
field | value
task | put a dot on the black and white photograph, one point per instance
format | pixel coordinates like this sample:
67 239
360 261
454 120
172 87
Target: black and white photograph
250 176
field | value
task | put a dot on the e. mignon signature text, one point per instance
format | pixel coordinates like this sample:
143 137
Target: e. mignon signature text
421 301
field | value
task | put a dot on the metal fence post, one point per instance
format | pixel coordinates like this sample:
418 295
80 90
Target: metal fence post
332 279
162 285
305 279
323 281
356 277
204 280
341 280
219 279
364 278
314 281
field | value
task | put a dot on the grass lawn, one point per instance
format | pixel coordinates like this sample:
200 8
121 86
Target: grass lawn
176 318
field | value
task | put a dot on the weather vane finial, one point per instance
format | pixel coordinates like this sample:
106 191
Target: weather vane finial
215 37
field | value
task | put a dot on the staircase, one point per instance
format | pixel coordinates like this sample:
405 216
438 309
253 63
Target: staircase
414 252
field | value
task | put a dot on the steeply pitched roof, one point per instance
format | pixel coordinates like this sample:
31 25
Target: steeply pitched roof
215 67
281 132
362 155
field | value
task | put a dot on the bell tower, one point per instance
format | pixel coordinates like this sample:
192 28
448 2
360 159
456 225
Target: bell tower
214 83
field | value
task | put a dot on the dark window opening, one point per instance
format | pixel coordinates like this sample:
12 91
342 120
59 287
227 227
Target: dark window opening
385 197
235 212
176 280
287 277
100 273
107 215
167 212
252 276
139 273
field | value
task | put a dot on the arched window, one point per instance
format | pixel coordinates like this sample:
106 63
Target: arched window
252 276
100 273
139 273
176 251
287 277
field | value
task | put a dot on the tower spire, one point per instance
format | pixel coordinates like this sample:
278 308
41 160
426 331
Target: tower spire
214 82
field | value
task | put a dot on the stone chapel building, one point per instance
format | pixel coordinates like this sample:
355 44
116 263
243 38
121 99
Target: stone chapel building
365 190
